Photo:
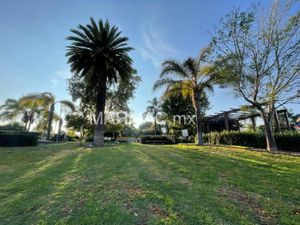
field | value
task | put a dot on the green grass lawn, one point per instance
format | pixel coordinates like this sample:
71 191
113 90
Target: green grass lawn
147 184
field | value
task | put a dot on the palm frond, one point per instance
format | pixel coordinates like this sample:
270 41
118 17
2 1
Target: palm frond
99 53
163 83
204 53
68 104
173 68
191 66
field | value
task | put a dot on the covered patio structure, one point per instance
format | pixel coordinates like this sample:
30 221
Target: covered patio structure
230 120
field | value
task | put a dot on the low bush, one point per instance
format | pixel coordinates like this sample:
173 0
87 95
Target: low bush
106 139
190 139
18 138
123 139
157 139
287 141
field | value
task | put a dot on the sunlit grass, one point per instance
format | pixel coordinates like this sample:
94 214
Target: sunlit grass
147 184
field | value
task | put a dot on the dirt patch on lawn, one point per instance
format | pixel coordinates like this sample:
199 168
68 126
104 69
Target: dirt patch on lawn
145 215
5 168
247 200
185 181
152 210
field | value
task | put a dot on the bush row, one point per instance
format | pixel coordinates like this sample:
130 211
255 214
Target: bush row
157 139
18 138
287 141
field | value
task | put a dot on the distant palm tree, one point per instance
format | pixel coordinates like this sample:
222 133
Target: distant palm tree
25 108
99 55
153 109
48 101
190 77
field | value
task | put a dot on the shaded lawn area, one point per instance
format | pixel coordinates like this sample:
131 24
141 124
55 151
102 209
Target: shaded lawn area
147 184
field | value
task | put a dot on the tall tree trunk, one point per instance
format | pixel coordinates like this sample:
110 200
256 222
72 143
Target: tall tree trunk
197 106
199 127
100 112
60 123
155 126
50 118
25 125
29 125
271 143
31 120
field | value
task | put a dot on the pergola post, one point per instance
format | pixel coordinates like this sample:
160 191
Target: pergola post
253 122
238 125
226 120
208 127
287 119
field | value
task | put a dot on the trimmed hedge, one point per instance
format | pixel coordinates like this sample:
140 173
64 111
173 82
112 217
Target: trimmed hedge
287 141
157 139
18 138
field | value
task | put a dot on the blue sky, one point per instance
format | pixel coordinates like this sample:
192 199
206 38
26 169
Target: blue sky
32 41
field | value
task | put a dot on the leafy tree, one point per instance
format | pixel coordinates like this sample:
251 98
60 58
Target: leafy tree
258 56
153 109
117 95
191 77
177 105
130 131
98 55
147 128
80 124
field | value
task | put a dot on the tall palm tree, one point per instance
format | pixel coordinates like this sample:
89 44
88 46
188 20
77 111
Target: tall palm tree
191 77
153 109
99 55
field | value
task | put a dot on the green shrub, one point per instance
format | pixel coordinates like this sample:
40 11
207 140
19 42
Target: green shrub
18 138
158 139
12 127
190 139
287 141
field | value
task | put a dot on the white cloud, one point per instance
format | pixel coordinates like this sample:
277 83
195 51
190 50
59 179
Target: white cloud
59 76
63 73
155 48
54 82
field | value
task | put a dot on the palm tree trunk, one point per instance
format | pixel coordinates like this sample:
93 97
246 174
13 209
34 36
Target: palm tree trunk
50 118
25 126
29 125
197 106
199 127
155 126
31 120
271 143
100 108
59 129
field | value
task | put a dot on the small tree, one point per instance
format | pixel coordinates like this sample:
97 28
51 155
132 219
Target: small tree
79 123
179 106
153 109
191 77
258 53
